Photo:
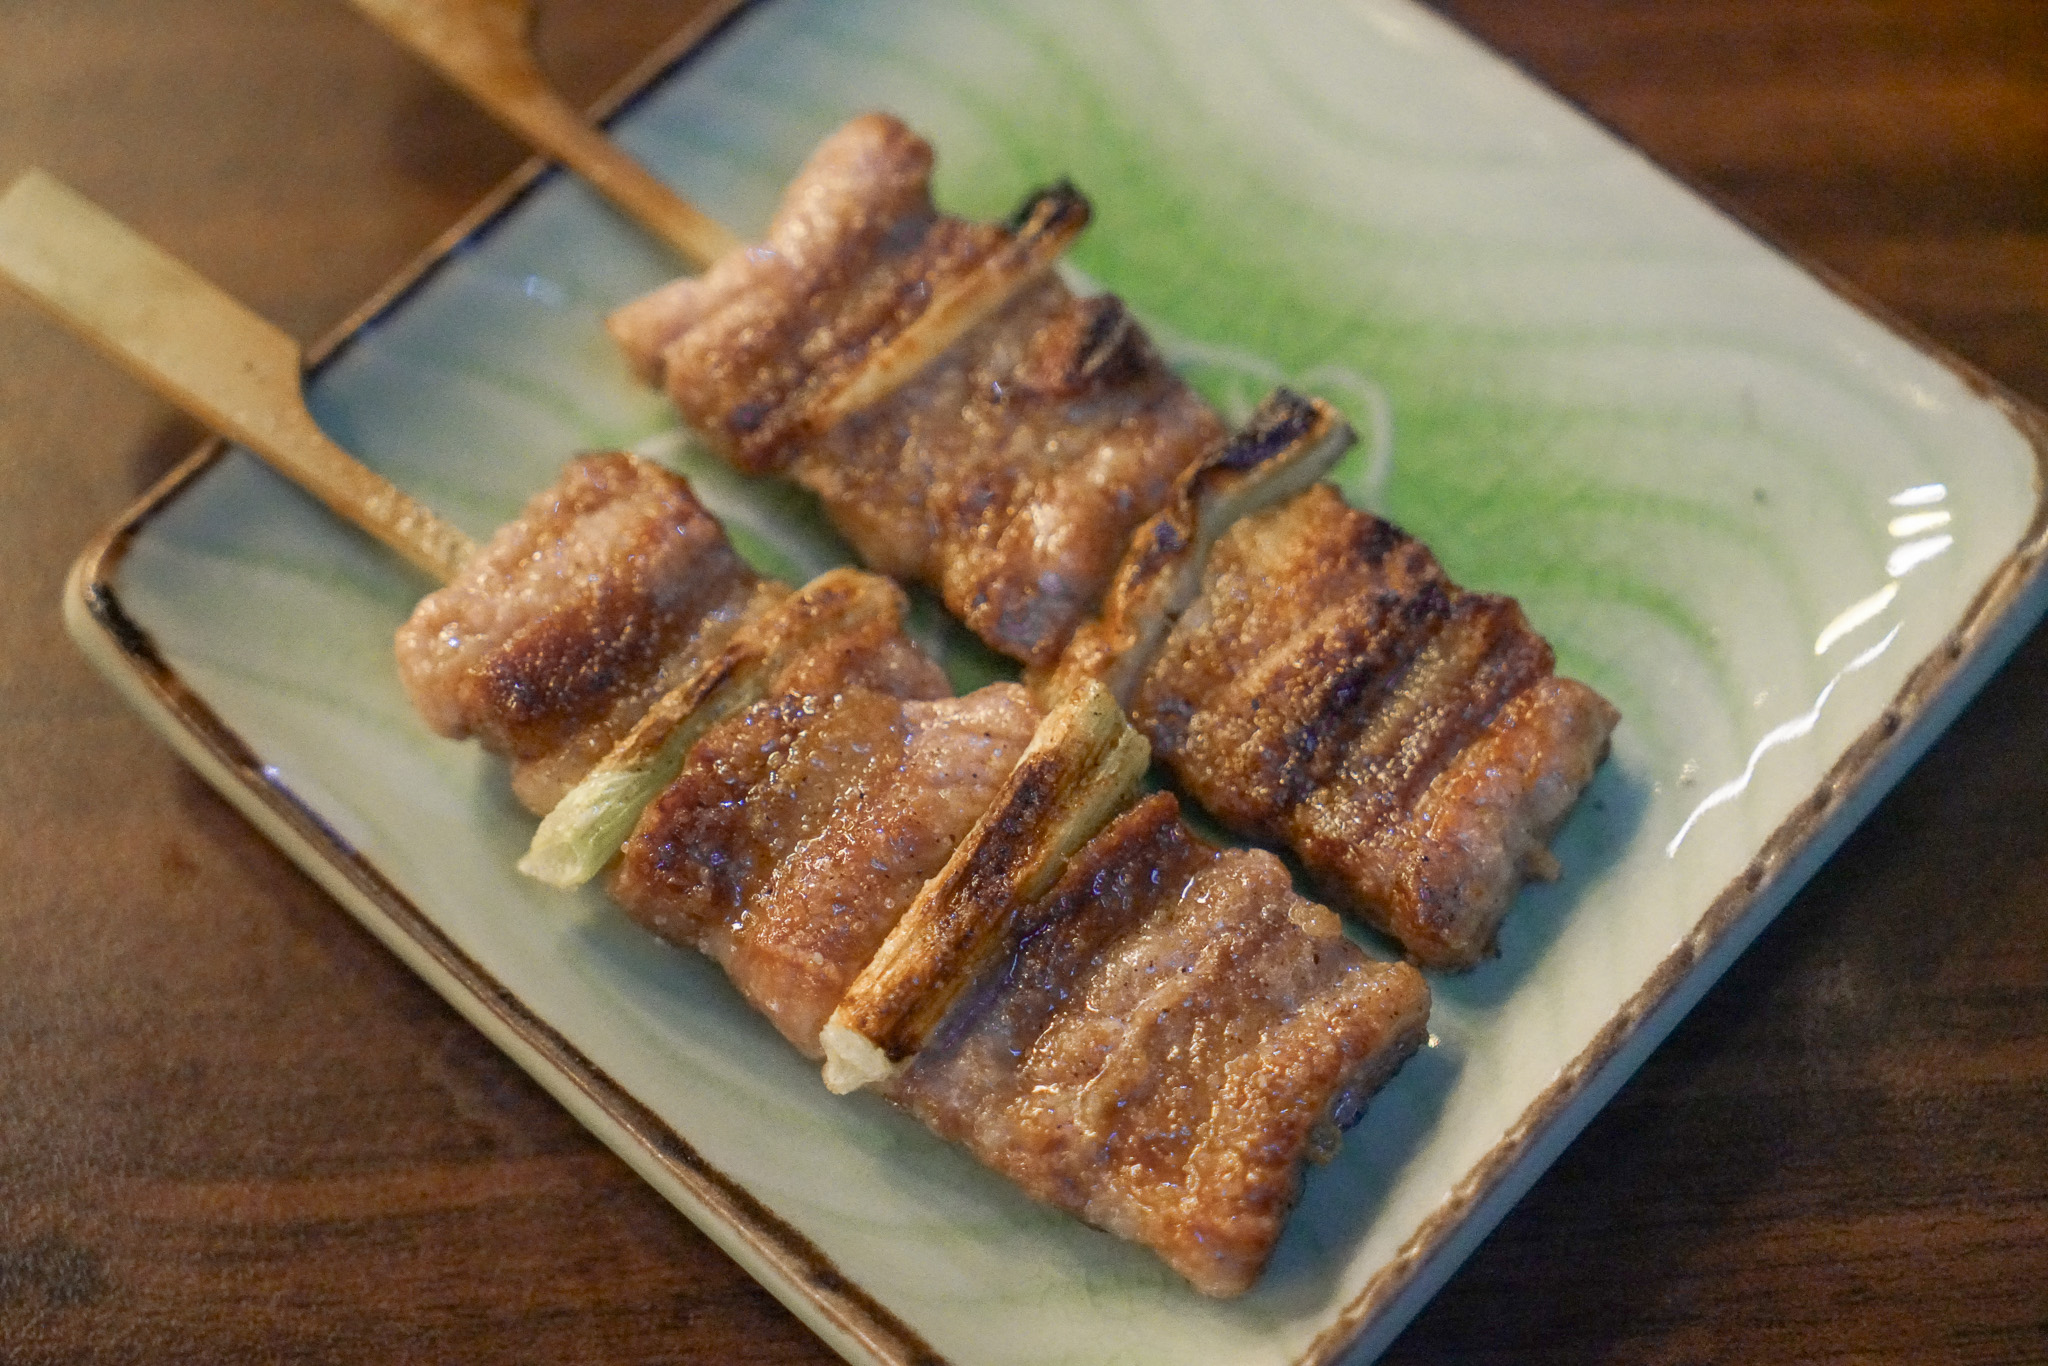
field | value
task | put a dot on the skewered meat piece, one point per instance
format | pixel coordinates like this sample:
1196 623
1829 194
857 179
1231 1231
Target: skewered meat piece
855 252
1082 765
574 618
1133 1025
1164 1038
800 828
1411 746
837 789
1331 689
1159 1036
967 421
1010 474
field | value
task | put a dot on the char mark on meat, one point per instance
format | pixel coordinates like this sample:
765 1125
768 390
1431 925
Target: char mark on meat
574 618
1171 1034
1330 689
800 827
967 422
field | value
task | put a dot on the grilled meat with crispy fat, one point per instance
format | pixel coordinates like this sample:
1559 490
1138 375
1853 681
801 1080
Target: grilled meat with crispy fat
1330 689
971 424
1167 1035
560 633
967 422
1183 1030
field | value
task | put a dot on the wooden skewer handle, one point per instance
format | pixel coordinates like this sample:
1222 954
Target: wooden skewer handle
207 354
484 47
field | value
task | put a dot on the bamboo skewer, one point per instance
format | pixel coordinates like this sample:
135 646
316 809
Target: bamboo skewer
205 353
241 376
485 47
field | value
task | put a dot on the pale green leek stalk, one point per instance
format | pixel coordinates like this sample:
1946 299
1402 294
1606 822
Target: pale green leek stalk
592 821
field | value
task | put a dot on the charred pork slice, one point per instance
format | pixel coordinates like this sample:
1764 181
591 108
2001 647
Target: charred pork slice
855 254
1332 690
1170 1032
966 420
801 827
1010 474
573 619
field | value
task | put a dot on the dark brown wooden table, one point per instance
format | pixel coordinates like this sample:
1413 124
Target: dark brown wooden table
232 1126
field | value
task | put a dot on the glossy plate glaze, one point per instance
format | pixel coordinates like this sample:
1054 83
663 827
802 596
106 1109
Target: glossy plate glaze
1784 540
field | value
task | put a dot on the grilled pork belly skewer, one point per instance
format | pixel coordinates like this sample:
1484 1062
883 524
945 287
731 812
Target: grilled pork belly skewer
485 47
843 803
1336 694
1009 472
1307 1022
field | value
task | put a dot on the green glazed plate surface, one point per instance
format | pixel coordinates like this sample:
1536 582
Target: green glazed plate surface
1783 540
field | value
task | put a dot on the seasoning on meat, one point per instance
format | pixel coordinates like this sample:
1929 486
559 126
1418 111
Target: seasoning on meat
1006 470
605 593
1166 1037
1332 690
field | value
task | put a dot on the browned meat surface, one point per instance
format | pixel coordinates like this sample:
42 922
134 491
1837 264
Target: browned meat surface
830 904
573 619
854 253
799 829
1008 474
1173 1032
1332 690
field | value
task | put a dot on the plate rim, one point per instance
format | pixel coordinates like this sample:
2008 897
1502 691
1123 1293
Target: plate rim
771 1250
2011 599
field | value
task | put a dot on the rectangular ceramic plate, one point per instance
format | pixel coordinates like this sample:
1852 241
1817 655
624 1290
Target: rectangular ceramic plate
1785 541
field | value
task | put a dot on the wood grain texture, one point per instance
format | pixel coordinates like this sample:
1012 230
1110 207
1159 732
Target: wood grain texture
233 1127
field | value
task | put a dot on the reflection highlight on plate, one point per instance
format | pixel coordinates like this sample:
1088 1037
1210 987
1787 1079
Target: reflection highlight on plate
1902 561
1913 523
1919 496
1912 555
1798 726
1854 615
